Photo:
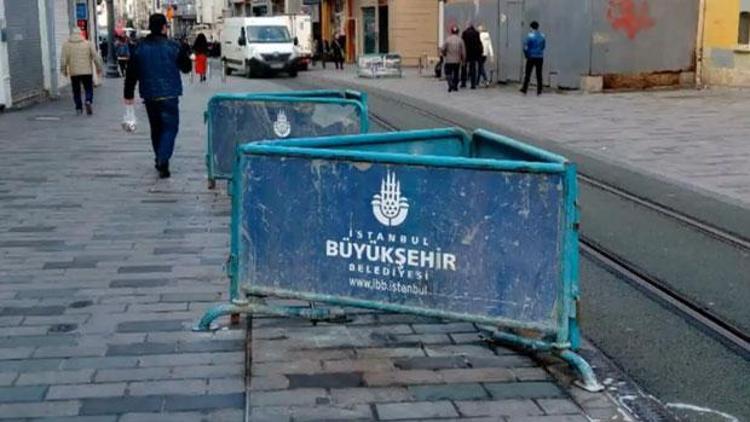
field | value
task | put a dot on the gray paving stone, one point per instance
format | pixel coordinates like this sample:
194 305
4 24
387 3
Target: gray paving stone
150 282
149 388
32 365
558 406
53 409
132 374
139 349
208 371
7 378
423 376
328 413
298 397
353 365
416 410
101 363
499 408
271 382
115 405
554 418
31 311
219 401
112 418
16 353
80 391
56 377
442 362
524 390
22 393
142 269
351 396
226 385
448 392
32 294
151 326
454 327
163 417
476 375
326 380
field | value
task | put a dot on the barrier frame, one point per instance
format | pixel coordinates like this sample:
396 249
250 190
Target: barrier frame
562 338
330 96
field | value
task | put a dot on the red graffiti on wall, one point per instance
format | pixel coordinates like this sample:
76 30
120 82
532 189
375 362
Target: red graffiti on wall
629 16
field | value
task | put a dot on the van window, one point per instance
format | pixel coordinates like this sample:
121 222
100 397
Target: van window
268 34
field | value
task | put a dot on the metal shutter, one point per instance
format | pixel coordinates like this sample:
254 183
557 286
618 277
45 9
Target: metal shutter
63 25
24 50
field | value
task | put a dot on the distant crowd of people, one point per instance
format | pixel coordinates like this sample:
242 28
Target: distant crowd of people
333 51
464 57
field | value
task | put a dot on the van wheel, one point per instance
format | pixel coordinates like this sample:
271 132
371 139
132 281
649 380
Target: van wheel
293 73
227 69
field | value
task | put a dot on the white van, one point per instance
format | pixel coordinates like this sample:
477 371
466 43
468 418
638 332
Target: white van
258 46
300 28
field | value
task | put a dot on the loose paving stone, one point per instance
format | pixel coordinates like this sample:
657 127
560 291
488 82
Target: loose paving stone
205 402
416 410
115 405
448 392
509 408
22 393
326 380
515 390
80 391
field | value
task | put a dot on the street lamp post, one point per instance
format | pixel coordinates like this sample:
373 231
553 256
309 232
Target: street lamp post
111 71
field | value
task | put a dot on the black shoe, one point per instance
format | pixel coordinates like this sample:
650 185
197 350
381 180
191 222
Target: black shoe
163 170
522 91
156 163
89 110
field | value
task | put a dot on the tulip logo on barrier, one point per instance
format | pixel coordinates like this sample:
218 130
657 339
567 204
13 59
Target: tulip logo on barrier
281 126
389 207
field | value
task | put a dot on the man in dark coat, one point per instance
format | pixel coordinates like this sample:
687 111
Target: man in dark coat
156 65
474 49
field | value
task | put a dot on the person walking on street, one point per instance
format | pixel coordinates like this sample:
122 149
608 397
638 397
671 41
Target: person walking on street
533 49
200 49
338 52
454 53
76 61
122 50
156 65
474 49
488 55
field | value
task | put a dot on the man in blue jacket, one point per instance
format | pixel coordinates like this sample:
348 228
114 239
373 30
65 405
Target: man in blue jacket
533 49
156 65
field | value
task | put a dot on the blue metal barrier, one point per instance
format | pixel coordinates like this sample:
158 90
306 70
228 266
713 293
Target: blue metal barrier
236 118
441 223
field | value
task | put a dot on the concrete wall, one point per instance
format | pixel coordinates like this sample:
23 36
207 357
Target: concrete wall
724 61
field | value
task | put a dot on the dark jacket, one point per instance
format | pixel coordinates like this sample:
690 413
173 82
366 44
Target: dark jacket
156 65
533 46
473 43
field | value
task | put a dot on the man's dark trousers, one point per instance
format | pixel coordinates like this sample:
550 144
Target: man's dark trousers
533 63
164 119
473 75
451 75
88 85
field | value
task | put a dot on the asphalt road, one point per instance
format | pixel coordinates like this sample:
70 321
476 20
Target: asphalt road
667 355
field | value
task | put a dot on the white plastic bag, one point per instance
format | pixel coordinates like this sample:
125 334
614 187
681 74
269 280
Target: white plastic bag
129 122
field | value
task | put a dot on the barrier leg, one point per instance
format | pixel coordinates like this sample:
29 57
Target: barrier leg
587 380
314 314
212 184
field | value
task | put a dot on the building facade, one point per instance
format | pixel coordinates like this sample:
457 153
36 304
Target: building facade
591 44
725 55
34 32
406 27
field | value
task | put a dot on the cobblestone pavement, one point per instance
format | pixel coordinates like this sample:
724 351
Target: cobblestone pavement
104 268
697 138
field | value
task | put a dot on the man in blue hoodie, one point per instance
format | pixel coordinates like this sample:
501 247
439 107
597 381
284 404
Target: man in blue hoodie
156 65
533 49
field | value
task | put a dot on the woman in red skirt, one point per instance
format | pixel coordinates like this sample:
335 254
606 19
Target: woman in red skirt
200 49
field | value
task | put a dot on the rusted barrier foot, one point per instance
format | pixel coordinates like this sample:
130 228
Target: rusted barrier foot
212 184
587 379
205 324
